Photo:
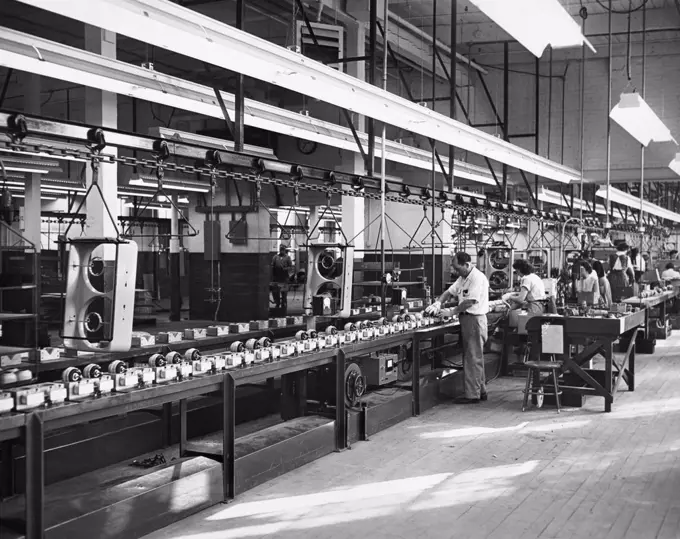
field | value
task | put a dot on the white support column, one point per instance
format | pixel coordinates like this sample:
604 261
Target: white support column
32 203
101 110
353 208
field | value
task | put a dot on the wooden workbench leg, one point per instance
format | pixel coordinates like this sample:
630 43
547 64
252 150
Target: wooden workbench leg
35 476
608 356
166 419
228 438
6 469
631 369
340 409
182 427
415 375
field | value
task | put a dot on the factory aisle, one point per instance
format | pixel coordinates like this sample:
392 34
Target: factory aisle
486 471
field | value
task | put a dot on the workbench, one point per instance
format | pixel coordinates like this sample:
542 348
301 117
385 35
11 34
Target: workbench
657 324
315 435
583 338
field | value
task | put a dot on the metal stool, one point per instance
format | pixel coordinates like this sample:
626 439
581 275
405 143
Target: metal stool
534 385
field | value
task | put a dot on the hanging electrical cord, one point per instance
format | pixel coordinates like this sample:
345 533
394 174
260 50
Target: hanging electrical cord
628 47
6 205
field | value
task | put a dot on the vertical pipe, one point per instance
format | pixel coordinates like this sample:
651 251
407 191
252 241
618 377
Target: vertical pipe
642 148
383 224
239 109
609 120
583 116
434 144
373 16
537 111
454 78
550 80
175 289
506 112
564 90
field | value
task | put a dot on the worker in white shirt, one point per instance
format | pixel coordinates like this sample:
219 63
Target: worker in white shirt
670 273
589 281
621 271
639 266
532 290
471 290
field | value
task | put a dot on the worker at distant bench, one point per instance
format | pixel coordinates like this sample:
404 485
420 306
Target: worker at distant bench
471 290
531 292
282 269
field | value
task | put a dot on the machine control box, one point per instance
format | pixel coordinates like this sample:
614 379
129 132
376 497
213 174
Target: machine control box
380 370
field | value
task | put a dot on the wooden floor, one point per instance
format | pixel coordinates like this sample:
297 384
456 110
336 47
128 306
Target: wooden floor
486 470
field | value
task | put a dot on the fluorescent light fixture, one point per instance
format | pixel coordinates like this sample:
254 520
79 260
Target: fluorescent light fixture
170 185
149 207
675 164
34 141
164 24
207 142
535 23
552 197
111 75
635 116
26 170
632 201
80 67
465 193
42 197
140 194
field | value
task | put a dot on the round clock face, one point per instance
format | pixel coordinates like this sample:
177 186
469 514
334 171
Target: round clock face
306 146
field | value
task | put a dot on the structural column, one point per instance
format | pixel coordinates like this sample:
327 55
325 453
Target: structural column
353 208
32 205
101 110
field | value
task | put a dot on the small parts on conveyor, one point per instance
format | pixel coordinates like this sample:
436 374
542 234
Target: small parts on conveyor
331 330
117 367
302 335
150 462
350 326
355 385
71 374
15 376
6 402
173 358
236 347
252 344
157 360
265 342
77 387
92 371
191 355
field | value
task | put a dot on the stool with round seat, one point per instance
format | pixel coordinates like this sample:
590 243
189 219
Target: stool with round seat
534 385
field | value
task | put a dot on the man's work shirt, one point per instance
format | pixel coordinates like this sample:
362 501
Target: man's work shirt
475 286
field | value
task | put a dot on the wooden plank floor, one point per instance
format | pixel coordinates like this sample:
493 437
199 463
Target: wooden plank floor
486 471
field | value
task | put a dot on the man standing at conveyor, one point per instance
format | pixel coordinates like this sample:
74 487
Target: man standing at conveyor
471 291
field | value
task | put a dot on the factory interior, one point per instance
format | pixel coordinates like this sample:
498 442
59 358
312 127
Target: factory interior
339 268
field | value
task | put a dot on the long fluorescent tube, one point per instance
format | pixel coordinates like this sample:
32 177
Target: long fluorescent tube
42 197
635 116
80 67
207 142
552 197
171 185
535 23
181 30
632 201
27 170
